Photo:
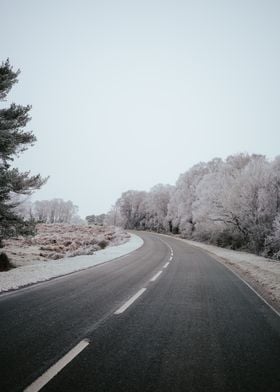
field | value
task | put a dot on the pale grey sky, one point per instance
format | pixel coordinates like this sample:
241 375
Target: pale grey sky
127 94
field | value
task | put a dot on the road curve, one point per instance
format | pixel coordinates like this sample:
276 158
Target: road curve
167 317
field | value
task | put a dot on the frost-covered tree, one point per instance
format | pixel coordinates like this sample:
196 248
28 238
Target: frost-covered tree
233 202
142 210
156 208
207 210
131 208
54 211
180 210
216 210
95 219
113 217
14 139
272 241
250 205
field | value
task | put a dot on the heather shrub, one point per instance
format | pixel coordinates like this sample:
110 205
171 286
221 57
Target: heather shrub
5 263
103 244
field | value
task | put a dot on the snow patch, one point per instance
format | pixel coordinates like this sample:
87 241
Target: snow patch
44 270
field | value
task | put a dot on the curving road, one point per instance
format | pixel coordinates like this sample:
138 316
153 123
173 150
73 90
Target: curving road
166 317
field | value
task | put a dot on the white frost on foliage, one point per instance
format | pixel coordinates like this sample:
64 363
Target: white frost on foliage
45 270
234 203
55 241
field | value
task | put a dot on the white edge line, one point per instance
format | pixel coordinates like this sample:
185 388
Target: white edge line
156 276
130 301
166 265
250 287
170 258
41 381
216 258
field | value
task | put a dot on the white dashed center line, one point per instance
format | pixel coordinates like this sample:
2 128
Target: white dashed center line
171 249
130 301
41 381
156 276
38 384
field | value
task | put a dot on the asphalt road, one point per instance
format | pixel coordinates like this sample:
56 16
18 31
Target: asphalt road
194 326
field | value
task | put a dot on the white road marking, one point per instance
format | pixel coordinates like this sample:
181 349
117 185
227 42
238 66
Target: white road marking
130 301
166 265
250 287
216 258
38 384
171 249
156 276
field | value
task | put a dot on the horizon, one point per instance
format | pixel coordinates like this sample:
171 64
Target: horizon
126 96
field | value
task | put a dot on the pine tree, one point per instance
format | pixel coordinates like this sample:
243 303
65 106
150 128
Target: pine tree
13 141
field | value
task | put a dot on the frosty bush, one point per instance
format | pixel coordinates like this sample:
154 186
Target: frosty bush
55 241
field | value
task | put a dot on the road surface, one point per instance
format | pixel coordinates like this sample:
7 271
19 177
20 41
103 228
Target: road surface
166 317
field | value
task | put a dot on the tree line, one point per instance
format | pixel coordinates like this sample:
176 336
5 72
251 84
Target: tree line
49 211
232 203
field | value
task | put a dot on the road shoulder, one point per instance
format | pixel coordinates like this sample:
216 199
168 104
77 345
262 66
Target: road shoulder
262 274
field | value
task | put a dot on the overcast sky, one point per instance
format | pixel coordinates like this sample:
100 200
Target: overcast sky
128 94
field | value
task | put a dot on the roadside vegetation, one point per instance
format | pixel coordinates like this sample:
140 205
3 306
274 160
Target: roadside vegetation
14 139
233 203
56 241
41 230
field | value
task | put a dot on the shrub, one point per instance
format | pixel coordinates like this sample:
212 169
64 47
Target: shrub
103 244
5 263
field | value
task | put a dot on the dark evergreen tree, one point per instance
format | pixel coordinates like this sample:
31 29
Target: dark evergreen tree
13 140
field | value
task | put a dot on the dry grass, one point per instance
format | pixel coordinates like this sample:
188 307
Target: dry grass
55 241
